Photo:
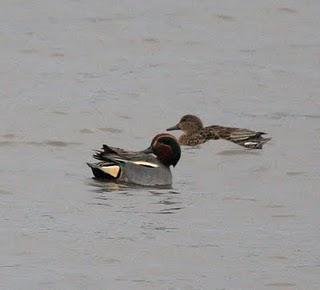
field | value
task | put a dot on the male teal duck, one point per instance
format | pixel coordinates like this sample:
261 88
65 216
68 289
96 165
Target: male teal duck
195 133
140 167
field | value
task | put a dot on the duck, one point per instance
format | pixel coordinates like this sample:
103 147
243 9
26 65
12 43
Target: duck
149 167
195 133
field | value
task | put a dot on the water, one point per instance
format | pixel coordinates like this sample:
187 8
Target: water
77 74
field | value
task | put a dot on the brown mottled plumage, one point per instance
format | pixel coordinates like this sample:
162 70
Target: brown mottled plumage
195 133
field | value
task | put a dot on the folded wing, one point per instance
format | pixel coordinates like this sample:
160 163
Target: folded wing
243 137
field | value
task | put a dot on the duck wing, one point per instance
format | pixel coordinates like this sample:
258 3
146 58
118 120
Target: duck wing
108 152
243 137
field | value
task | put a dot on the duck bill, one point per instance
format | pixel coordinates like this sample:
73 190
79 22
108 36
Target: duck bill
176 127
148 150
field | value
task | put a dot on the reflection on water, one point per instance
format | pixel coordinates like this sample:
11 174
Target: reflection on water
240 151
109 194
102 186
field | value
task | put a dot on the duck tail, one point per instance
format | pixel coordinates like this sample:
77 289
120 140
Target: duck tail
97 155
103 152
105 171
96 170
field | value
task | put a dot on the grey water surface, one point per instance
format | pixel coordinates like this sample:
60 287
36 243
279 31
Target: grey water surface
76 74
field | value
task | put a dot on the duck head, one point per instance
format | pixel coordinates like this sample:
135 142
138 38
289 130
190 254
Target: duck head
188 124
166 148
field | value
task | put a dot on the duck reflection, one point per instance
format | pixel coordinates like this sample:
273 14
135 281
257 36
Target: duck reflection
133 198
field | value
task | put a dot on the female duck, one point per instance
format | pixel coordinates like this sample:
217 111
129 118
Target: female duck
140 167
195 133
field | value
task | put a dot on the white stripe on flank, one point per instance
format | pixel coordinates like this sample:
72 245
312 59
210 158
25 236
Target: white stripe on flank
145 163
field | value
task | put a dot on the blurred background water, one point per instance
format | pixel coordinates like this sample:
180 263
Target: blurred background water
76 74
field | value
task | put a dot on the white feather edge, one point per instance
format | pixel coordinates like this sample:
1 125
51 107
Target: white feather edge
145 163
250 143
142 163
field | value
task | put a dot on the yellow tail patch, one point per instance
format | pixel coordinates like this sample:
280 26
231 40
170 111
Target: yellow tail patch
112 170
